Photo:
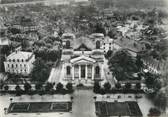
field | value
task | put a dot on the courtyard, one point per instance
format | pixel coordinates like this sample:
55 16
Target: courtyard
82 103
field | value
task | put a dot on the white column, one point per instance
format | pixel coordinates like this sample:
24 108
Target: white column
73 72
79 72
92 72
102 72
86 72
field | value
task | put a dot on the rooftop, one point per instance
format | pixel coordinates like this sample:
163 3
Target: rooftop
20 55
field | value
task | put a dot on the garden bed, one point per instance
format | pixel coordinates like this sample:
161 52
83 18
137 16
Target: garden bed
32 107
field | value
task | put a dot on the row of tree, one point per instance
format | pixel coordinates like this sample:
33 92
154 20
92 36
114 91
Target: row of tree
44 88
107 88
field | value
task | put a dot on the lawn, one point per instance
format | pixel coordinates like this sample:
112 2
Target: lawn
33 107
128 108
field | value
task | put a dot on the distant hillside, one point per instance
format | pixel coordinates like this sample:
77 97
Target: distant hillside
139 4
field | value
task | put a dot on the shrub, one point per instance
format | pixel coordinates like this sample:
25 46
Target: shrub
138 86
154 112
128 85
27 87
48 86
80 85
17 88
69 87
38 86
6 87
107 87
118 85
97 87
59 87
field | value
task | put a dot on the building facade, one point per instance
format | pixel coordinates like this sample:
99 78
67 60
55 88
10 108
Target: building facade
83 57
19 62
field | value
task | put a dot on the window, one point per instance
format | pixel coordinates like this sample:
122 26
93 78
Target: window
68 44
24 65
13 60
16 65
12 65
8 65
97 44
17 60
22 60
97 69
68 69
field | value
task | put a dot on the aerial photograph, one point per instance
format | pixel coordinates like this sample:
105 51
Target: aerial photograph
83 58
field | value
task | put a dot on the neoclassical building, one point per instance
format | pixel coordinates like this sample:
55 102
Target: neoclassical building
83 57
19 62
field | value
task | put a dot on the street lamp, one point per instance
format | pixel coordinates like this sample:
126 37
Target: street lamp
11 99
5 111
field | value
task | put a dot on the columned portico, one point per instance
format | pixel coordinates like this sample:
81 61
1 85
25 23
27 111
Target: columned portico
84 71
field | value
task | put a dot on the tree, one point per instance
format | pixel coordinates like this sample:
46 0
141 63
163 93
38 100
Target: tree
48 86
59 87
139 62
108 54
123 65
99 28
6 87
113 34
138 85
14 30
97 87
160 100
152 81
69 87
118 85
38 86
154 112
40 71
107 86
128 86
27 87
18 90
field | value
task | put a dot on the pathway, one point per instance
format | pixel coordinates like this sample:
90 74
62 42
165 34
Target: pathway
55 74
83 104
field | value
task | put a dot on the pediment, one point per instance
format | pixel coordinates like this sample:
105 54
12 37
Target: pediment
83 59
82 47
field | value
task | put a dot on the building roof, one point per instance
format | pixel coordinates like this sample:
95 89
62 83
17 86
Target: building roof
68 35
20 55
97 35
82 47
83 40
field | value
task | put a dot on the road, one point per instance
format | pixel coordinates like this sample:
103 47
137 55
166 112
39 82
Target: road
108 74
55 74
83 104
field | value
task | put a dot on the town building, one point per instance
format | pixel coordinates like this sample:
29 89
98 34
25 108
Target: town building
83 58
19 62
110 44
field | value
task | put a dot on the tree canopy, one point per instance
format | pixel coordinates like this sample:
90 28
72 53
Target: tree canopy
123 65
40 71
